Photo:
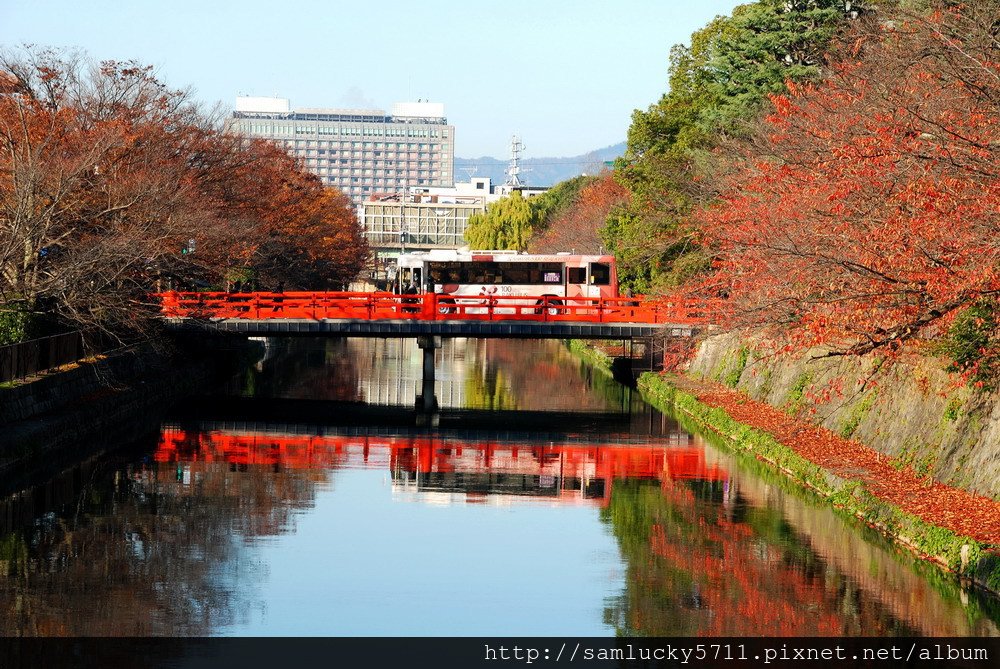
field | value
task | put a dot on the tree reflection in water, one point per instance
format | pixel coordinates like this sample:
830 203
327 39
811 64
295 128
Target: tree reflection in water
716 559
115 549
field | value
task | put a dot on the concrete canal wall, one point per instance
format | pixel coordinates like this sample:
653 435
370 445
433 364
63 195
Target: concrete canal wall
103 401
912 410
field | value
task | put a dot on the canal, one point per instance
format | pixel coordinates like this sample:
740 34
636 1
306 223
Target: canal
309 498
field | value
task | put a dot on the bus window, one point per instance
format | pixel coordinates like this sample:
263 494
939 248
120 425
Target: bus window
515 275
600 274
576 275
476 273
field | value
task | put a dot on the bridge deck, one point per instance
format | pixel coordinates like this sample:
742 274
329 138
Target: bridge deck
388 315
281 327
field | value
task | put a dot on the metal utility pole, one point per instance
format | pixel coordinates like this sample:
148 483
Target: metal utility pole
514 169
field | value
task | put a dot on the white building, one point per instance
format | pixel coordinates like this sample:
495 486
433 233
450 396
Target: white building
428 217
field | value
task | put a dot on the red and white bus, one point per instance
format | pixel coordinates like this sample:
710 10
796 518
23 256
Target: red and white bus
465 277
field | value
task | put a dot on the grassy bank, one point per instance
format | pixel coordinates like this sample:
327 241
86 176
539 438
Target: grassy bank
963 555
594 357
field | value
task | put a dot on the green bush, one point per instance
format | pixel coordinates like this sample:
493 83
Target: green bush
15 325
732 378
796 395
858 414
973 344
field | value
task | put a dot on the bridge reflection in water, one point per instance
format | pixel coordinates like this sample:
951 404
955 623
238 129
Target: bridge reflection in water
448 465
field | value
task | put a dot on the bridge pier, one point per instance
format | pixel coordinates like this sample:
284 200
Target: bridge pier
428 343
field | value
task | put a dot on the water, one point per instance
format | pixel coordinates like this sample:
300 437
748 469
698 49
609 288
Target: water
310 499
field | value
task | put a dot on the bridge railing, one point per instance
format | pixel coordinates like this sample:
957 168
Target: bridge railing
427 307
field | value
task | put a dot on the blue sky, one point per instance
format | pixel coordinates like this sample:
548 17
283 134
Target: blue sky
565 76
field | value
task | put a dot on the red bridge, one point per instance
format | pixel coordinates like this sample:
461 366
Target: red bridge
379 314
429 317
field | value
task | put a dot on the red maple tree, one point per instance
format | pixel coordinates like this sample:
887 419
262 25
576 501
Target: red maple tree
867 209
106 175
578 227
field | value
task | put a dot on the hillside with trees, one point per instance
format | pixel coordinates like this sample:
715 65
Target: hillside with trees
862 211
717 87
826 172
514 222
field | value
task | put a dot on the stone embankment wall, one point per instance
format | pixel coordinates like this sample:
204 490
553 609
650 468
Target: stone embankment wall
913 411
109 400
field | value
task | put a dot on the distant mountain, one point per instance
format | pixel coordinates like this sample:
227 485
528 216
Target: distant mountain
538 171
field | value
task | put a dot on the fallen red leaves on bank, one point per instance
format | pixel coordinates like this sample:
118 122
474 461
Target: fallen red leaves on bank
958 510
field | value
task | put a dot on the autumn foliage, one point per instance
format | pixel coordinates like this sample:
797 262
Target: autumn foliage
577 228
865 211
107 175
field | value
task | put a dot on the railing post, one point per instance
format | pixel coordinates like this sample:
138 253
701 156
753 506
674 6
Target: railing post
429 306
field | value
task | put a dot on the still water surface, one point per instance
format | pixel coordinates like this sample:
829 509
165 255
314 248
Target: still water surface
310 499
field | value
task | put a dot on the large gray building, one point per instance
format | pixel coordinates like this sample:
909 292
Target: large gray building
361 152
